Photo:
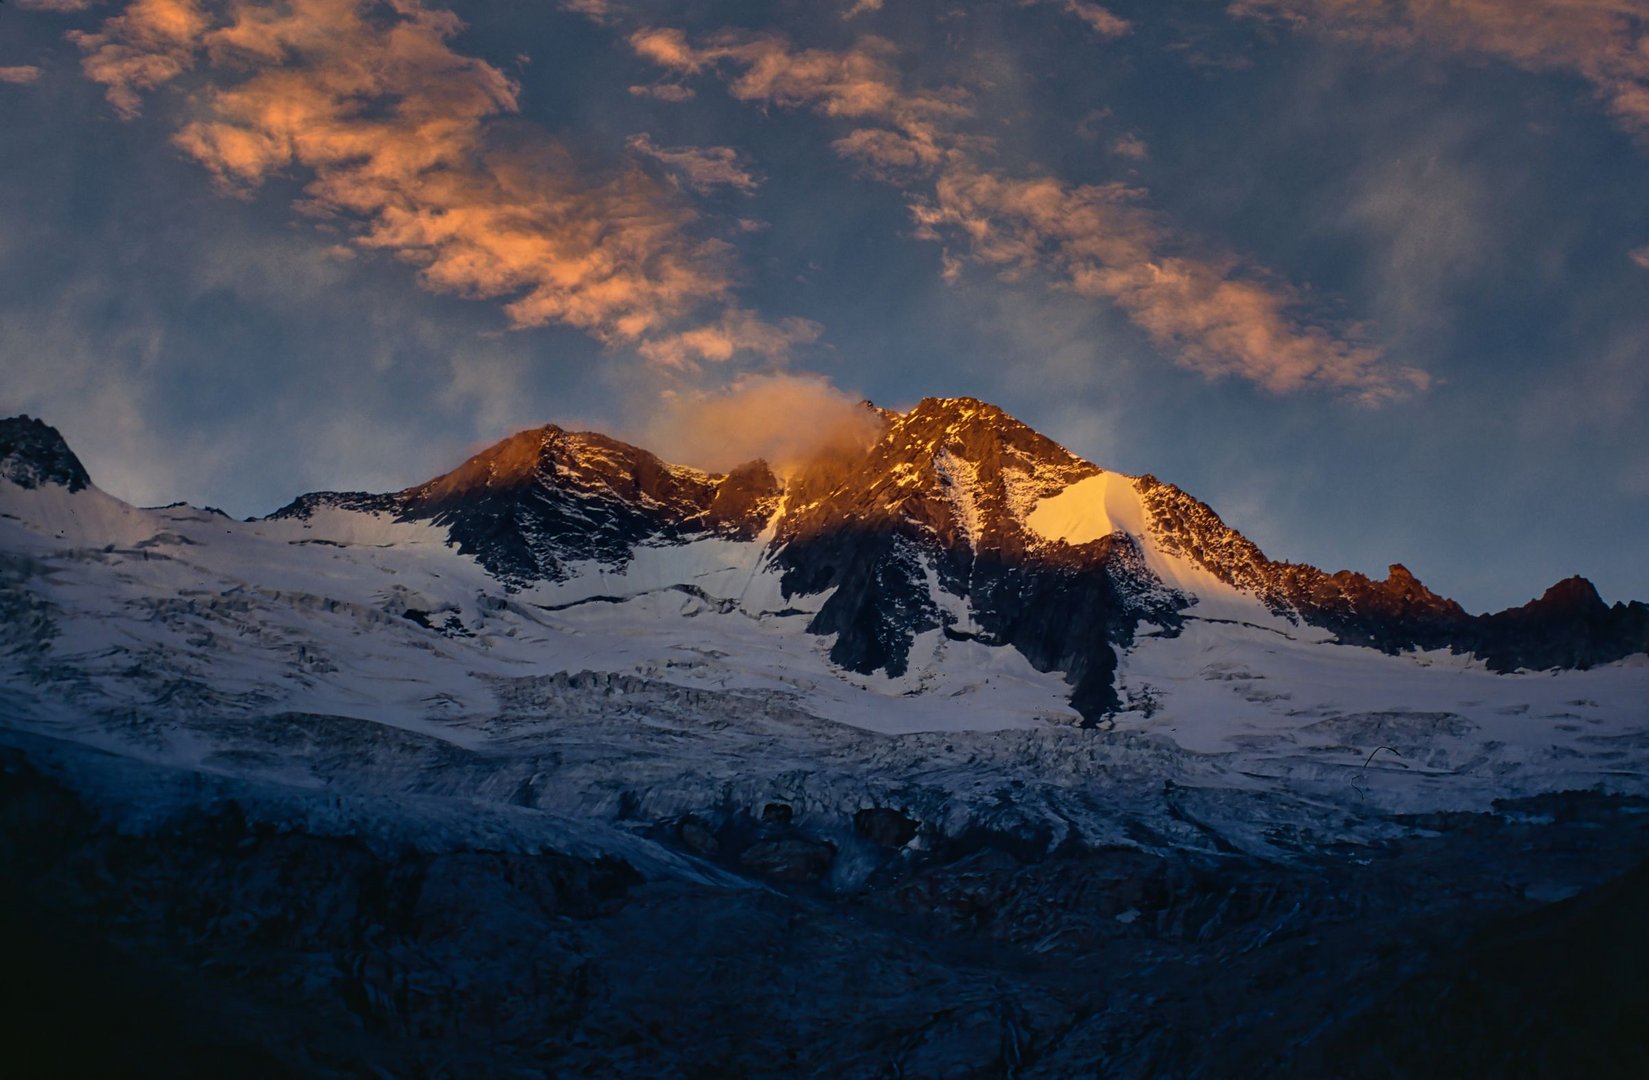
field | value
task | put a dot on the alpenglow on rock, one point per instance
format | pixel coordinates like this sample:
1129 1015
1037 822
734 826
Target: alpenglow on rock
960 520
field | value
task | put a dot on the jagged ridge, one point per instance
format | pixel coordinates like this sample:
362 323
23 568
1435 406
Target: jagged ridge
541 500
928 528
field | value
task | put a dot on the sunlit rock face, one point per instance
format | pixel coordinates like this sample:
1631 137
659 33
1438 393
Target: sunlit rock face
957 518
546 498
930 529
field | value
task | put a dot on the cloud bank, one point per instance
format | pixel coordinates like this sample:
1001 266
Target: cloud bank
410 146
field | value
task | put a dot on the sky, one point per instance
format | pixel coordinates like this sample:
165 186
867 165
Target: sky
1372 280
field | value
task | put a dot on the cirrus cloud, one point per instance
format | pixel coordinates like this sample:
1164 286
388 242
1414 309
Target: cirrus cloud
412 147
1605 42
1208 310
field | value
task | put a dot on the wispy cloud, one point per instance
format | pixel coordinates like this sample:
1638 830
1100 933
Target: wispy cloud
1605 42
737 331
596 10
663 91
1132 147
1215 317
1101 20
411 146
1640 256
24 73
1212 313
701 168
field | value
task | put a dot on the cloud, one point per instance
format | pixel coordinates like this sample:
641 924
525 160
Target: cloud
862 7
1132 147
25 73
599 11
60 6
1429 218
1098 19
411 147
701 168
860 82
737 331
784 419
1605 42
1098 241
148 45
1209 311
665 91
1640 256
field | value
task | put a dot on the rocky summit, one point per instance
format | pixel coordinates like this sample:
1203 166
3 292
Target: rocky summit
574 761
929 528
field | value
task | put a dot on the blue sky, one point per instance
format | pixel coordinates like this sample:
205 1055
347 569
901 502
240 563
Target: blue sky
1373 281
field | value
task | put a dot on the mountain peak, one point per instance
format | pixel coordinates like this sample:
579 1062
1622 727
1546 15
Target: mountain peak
33 453
1572 594
956 521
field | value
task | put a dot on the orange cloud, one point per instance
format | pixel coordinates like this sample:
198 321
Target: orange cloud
151 43
663 91
785 420
1605 42
597 10
861 83
411 146
1209 312
737 331
702 168
1099 19
1098 241
26 73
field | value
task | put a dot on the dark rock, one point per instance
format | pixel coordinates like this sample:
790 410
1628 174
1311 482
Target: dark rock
33 453
697 835
1569 626
1561 991
222 943
777 813
790 858
744 501
940 490
885 826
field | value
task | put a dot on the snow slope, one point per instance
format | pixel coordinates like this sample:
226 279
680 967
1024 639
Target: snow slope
1108 503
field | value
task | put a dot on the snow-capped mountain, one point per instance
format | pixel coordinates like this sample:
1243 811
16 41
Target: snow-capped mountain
961 520
958 675
961 572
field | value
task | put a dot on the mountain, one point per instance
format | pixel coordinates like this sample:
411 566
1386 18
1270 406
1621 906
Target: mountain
572 761
33 453
963 520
